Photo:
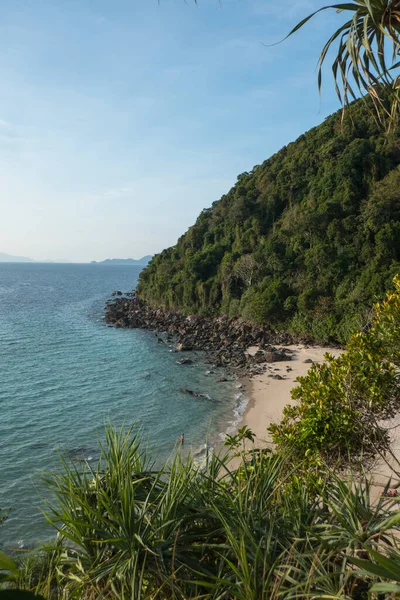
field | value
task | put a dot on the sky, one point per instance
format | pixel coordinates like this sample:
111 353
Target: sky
120 120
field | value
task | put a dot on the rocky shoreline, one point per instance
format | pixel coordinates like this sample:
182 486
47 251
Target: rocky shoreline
224 339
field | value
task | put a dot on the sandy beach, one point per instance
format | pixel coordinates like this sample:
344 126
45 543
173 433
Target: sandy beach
270 392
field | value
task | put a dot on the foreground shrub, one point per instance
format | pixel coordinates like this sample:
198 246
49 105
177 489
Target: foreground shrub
259 532
342 403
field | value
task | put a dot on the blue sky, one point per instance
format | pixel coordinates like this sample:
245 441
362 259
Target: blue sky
120 120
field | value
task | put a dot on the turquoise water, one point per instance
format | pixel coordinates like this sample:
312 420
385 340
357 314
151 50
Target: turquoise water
64 374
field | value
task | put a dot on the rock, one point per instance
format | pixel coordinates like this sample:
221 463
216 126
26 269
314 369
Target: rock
194 394
277 376
116 293
182 348
120 323
390 493
190 392
287 350
275 356
308 360
269 355
258 357
221 379
39 445
184 361
223 339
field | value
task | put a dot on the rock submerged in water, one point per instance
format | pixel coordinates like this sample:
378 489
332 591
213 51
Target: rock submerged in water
79 454
195 394
184 361
39 446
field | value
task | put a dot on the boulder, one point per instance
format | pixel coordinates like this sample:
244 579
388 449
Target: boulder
194 394
259 357
183 348
275 356
184 361
189 392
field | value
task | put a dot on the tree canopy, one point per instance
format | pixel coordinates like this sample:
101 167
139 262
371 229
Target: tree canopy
307 241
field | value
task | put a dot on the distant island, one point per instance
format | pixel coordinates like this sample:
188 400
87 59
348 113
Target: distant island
142 262
9 258
124 261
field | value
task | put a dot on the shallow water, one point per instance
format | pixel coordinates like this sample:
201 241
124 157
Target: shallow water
64 375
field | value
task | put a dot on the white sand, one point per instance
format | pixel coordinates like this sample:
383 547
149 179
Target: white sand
268 397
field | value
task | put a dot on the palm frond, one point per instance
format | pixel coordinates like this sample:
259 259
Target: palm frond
367 55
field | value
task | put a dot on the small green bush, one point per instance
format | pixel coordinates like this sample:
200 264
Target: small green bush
340 402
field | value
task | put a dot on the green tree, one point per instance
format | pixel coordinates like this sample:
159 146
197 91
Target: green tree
306 242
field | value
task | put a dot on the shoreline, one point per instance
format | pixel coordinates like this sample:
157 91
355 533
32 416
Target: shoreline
268 393
267 397
224 339
265 363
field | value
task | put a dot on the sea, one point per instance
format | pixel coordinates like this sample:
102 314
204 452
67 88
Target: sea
65 376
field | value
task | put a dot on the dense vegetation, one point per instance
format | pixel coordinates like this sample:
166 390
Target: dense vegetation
260 532
307 241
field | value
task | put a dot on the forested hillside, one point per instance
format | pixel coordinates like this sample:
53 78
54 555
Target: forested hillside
306 242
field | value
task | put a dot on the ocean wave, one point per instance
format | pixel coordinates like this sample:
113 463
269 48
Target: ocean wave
238 412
